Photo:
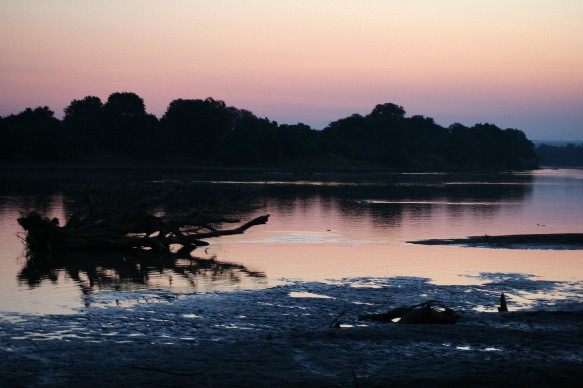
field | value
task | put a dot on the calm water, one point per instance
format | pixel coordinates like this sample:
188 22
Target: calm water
322 228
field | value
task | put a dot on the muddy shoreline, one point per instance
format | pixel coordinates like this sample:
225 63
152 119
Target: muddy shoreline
472 353
267 338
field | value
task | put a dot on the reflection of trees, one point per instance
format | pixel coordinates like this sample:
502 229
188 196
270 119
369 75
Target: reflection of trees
39 186
407 196
98 271
397 196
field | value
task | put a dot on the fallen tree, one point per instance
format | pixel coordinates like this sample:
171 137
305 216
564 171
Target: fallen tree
140 225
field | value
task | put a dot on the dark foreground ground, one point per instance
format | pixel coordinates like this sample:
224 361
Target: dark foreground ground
269 338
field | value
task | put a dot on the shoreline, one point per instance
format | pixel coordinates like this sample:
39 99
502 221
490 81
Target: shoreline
266 338
556 241
185 165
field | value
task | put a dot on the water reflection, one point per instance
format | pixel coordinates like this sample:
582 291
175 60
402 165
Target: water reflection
374 203
98 272
328 226
387 194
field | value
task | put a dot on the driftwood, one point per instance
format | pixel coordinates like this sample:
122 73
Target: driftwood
420 313
138 225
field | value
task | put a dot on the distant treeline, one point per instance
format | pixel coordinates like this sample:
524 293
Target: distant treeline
208 132
570 155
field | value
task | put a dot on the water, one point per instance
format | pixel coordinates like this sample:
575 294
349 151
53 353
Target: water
323 228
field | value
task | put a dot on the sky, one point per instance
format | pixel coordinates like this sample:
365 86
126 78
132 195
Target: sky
513 63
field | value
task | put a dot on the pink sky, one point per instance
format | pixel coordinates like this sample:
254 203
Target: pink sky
513 63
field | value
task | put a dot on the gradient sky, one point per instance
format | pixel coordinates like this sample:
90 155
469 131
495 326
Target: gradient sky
514 63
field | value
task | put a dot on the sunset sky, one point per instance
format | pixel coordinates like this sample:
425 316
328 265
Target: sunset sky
514 63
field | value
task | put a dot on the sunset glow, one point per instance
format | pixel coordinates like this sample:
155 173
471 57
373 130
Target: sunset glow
517 64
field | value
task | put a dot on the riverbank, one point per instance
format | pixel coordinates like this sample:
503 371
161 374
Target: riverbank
515 241
287 336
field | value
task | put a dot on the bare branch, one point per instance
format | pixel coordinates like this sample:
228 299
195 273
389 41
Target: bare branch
130 227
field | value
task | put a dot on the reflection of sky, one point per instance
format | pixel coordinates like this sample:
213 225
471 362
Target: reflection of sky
331 237
304 237
323 232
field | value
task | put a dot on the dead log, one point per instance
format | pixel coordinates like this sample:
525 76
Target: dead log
421 313
131 226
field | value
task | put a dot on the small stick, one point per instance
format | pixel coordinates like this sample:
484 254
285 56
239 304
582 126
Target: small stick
503 307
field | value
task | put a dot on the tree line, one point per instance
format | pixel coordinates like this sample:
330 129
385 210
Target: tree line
208 132
570 155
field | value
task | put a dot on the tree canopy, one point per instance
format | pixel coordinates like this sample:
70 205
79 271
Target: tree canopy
208 132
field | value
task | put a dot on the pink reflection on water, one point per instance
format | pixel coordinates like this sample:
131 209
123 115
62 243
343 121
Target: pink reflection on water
333 239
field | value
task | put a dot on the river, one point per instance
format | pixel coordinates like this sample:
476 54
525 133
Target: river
328 228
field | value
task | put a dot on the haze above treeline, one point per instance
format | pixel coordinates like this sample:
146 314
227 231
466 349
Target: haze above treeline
207 132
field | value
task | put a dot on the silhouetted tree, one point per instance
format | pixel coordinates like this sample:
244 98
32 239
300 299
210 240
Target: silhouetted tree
209 132
299 142
125 105
33 134
349 138
197 128
241 145
85 127
128 128
387 111
89 106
